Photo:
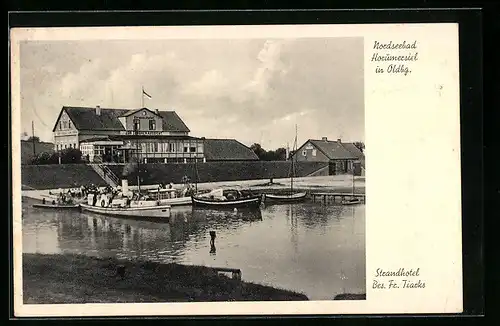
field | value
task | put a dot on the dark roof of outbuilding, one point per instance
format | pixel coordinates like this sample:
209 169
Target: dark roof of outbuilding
333 149
85 118
354 150
227 150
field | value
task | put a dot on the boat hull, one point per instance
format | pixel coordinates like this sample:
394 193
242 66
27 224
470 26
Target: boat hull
158 212
250 202
352 202
49 206
180 201
289 198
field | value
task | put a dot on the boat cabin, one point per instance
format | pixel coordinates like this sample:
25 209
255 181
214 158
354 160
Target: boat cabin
159 194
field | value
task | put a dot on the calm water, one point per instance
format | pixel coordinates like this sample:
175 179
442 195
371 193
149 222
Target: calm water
311 248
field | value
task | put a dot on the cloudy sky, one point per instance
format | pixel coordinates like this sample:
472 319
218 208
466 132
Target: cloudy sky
254 90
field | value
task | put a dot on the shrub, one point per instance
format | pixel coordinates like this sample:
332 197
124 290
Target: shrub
68 156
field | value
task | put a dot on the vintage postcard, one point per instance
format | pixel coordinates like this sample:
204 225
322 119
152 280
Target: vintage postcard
236 170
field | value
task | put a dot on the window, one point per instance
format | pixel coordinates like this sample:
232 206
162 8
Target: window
171 147
185 149
314 152
152 124
65 146
60 124
192 149
137 124
304 153
74 145
69 124
155 147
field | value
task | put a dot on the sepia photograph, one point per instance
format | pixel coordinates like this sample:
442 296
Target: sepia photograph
192 170
222 170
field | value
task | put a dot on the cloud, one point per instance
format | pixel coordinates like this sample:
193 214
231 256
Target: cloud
251 90
270 64
212 83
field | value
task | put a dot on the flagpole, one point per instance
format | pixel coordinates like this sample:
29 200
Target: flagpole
142 97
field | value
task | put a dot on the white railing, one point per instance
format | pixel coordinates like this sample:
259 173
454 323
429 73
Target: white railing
106 174
115 181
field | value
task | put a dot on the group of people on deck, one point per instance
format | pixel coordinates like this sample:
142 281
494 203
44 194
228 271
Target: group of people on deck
108 192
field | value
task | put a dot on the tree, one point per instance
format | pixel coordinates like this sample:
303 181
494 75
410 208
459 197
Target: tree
276 155
34 138
258 150
70 156
281 154
360 145
45 158
263 155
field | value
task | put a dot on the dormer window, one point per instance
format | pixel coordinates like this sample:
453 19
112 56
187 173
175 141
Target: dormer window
152 124
137 124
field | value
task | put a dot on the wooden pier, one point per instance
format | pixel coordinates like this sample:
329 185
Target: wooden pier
335 196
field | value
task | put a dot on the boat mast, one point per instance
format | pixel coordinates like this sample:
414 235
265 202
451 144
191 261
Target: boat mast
352 170
196 175
138 159
293 161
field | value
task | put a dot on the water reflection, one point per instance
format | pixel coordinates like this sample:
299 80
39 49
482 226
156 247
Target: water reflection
313 248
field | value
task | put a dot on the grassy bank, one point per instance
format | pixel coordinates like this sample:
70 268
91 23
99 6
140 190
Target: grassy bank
81 279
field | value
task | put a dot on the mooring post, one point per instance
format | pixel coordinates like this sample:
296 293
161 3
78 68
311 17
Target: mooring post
212 238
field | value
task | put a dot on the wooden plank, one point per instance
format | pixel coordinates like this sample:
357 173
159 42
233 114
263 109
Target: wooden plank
226 269
336 194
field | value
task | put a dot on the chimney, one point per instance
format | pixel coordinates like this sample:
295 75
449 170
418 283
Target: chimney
324 138
339 140
97 110
157 111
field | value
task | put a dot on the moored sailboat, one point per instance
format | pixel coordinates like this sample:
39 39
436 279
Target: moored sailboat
352 200
224 198
58 206
290 196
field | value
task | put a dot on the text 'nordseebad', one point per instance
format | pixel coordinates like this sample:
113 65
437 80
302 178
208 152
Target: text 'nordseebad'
394 54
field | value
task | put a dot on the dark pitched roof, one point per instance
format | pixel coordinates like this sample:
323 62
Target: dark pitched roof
172 122
227 150
332 149
354 150
85 118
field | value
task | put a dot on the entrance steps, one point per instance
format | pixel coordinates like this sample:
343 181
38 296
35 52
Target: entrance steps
106 174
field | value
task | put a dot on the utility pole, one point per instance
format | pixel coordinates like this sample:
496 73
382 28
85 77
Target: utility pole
33 137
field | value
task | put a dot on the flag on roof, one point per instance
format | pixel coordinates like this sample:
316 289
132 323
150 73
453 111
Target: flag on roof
146 94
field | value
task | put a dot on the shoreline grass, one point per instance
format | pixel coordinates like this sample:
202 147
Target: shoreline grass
53 279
